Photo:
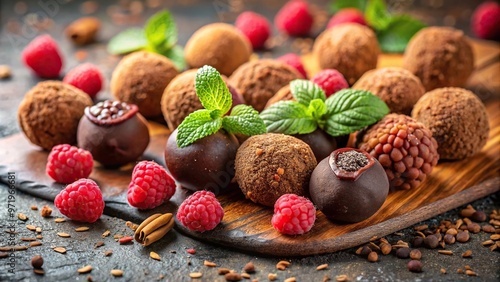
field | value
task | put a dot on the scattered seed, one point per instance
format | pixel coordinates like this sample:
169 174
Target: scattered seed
272 276
470 272
31 227
27 239
60 250
341 278
417 242
452 231
82 229
467 254
63 234
421 227
460 271
443 270
463 236
374 246
467 267
46 211
3 255
125 240
245 275
154 255
39 237
13 248
22 216
5 71
398 233
59 220
131 225
38 271
478 216
118 237
431 242
98 244
373 238
414 266
223 270
196 275
38 230
322 266
209 263
117 272
106 233
493 247
446 252
282 265
403 253
232 276
415 254
37 262
488 228
85 269
372 257
249 267
365 250
108 253
191 251
34 208
474 228
35 244
487 243
449 239
385 248
495 222
495 237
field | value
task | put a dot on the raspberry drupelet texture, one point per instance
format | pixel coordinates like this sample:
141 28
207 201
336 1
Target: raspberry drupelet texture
294 18
81 201
293 214
200 212
42 55
404 147
86 77
150 186
485 21
347 15
255 27
67 163
330 80
294 61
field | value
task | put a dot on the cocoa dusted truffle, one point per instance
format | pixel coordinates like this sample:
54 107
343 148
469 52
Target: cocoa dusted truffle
219 45
49 113
397 87
350 48
457 119
440 57
113 132
270 165
259 80
140 78
349 186
403 146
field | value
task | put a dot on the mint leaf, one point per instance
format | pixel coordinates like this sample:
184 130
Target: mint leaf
161 31
317 109
195 126
127 41
350 110
337 5
398 33
304 91
376 14
288 117
244 120
212 90
176 55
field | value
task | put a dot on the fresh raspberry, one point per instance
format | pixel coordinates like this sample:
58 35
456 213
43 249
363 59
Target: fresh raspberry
294 18
330 80
255 27
294 61
200 211
67 163
293 214
347 15
81 201
150 186
43 57
86 77
485 20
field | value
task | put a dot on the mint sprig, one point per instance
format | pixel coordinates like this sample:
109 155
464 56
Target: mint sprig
159 36
343 113
216 100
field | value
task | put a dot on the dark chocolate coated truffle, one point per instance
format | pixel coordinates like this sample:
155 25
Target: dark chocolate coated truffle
206 164
320 142
270 165
113 132
49 113
349 186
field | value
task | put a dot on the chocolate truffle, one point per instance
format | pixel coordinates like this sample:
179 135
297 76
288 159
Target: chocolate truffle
320 142
284 94
397 87
349 186
259 80
206 164
140 78
270 165
113 132
179 98
457 119
219 45
49 113
440 57
350 48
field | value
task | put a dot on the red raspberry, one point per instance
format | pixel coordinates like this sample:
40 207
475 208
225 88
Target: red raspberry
485 20
200 212
150 186
86 77
43 57
347 15
294 61
294 18
81 201
255 27
330 80
293 214
67 163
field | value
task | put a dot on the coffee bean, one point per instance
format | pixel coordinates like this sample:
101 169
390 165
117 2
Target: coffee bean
415 266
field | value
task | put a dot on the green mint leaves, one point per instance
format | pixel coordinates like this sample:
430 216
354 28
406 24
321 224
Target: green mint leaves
343 113
393 31
216 100
159 36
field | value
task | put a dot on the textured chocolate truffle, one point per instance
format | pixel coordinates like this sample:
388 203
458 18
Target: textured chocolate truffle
270 165
397 87
457 119
219 45
350 48
49 113
350 185
140 78
113 132
440 57
259 80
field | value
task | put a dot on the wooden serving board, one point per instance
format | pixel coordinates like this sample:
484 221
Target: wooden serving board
247 226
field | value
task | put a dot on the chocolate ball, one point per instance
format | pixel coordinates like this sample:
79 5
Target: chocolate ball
113 132
349 186
320 142
206 164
